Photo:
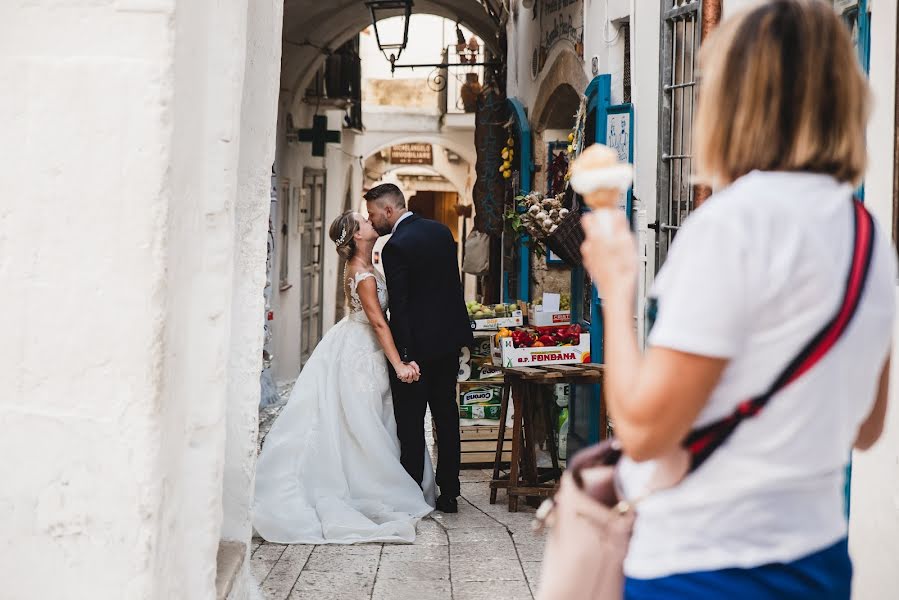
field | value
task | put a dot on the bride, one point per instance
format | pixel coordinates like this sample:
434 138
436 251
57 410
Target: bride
329 471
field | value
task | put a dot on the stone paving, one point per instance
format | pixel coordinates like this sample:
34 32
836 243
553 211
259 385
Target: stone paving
482 552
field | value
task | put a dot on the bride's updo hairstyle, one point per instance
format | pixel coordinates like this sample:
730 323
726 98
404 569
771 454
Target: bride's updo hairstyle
342 231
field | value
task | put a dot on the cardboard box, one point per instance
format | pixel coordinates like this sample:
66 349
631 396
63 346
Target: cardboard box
487 394
549 319
480 411
481 346
515 319
507 355
477 369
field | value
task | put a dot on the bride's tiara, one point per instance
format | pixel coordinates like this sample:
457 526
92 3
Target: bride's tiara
342 238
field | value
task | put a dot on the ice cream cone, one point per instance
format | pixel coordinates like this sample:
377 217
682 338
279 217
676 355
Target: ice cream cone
599 177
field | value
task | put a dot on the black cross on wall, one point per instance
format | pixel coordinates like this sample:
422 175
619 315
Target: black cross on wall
319 135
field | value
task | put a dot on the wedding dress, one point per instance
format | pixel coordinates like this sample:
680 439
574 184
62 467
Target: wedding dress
329 470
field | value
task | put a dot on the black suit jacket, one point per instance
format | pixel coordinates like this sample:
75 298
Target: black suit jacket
428 318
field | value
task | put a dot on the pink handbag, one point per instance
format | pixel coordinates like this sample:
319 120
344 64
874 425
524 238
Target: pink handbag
590 531
591 523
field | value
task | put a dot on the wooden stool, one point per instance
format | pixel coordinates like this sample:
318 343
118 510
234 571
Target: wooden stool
524 385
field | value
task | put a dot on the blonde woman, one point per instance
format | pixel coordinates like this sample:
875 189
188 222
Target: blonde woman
751 278
330 470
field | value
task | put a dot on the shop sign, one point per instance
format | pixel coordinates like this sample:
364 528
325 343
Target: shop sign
411 154
561 21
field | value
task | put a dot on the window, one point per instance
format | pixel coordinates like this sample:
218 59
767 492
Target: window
681 32
626 74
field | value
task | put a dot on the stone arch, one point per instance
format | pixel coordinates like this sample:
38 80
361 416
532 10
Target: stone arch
374 142
558 97
566 69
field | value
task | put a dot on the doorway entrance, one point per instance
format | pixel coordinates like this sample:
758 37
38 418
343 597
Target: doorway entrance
312 240
437 206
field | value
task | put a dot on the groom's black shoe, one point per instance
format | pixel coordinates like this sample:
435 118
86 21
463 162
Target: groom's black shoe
446 504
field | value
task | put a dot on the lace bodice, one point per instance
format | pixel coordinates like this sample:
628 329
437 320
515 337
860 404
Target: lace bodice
356 311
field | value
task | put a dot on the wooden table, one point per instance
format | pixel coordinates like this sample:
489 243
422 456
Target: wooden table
524 385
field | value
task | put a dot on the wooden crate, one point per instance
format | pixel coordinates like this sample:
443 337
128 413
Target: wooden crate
479 444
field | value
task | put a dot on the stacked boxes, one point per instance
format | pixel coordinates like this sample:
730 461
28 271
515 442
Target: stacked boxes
479 399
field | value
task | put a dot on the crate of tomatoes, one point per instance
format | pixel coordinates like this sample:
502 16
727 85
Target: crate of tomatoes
530 346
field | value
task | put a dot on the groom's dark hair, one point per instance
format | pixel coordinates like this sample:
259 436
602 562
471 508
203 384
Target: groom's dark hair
384 193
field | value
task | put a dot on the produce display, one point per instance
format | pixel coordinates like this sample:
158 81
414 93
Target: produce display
540 337
476 310
508 156
540 215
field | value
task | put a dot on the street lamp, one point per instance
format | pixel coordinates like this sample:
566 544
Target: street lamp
391 6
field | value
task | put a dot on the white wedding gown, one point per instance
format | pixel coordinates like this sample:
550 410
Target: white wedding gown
329 470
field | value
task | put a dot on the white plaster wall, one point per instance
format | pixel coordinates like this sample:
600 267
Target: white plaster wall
293 158
874 516
645 97
257 149
522 34
118 256
82 267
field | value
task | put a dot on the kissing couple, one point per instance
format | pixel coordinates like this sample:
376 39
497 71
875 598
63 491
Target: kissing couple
345 461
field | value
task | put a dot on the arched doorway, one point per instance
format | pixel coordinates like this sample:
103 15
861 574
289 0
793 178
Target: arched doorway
441 191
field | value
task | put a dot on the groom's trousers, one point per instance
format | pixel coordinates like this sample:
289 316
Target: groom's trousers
436 388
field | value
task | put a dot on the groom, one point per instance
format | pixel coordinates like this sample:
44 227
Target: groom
429 323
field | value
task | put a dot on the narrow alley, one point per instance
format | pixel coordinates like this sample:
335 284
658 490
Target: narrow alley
575 235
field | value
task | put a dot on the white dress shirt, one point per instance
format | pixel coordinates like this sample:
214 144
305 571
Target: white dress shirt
405 215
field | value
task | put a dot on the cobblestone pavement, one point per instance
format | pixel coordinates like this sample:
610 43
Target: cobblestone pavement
482 552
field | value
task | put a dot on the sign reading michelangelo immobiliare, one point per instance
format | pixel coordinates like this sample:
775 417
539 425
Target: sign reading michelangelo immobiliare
411 154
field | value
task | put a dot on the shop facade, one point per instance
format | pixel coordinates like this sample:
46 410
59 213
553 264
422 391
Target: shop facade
639 59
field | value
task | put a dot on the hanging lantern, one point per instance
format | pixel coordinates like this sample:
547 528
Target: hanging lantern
382 9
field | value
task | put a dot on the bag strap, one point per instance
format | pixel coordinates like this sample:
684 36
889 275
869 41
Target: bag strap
702 442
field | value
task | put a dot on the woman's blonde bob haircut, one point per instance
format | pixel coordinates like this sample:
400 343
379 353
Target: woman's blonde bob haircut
781 90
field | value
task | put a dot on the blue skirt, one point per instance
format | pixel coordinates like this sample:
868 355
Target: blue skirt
824 575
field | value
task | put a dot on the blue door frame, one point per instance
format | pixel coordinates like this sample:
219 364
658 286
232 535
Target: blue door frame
525 181
863 47
585 404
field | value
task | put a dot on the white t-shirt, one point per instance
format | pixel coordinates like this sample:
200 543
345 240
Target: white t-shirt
752 276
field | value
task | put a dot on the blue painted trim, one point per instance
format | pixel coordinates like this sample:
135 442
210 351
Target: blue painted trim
526 173
603 95
599 99
864 57
864 35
